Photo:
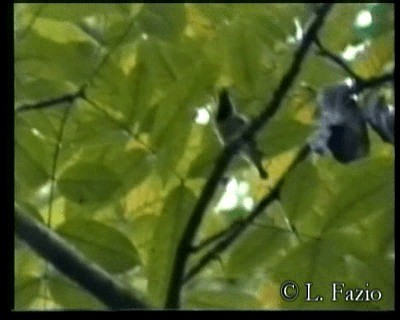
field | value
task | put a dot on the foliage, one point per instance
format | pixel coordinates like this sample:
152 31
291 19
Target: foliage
117 171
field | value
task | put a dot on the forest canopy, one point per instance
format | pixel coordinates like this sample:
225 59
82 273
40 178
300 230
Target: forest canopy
125 197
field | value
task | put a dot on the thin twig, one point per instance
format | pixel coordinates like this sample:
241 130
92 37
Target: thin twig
360 83
234 231
336 59
373 82
184 247
291 74
68 98
212 239
74 265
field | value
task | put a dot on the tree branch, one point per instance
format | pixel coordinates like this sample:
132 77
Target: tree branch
336 59
235 230
70 262
68 98
212 239
291 74
373 82
185 244
361 84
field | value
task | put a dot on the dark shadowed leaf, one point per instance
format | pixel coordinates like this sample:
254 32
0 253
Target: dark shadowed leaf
102 244
70 296
88 182
168 231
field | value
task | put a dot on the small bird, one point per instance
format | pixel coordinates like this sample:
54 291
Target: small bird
343 130
230 125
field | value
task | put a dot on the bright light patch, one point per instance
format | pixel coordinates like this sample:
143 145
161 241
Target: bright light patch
227 202
351 51
232 186
44 191
91 21
144 36
390 108
354 97
349 82
236 194
299 30
364 19
243 188
298 33
37 133
202 116
248 203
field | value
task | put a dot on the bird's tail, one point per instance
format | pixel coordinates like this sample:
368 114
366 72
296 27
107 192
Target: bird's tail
256 157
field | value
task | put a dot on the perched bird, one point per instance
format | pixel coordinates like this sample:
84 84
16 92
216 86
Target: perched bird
343 130
230 125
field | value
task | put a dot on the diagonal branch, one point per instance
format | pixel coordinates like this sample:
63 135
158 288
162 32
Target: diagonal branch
290 76
68 98
336 59
185 244
235 230
70 262
214 238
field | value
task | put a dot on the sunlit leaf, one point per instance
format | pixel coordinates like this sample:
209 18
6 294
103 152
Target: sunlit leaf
26 290
61 32
28 277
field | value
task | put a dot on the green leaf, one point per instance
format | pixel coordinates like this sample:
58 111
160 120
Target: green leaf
346 13
167 233
344 225
221 299
88 182
162 20
246 60
310 201
319 72
377 58
26 290
80 11
174 116
278 19
103 244
28 277
284 134
292 125
36 136
61 32
141 231
261 249
70 296
324 202
38 58
202 165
